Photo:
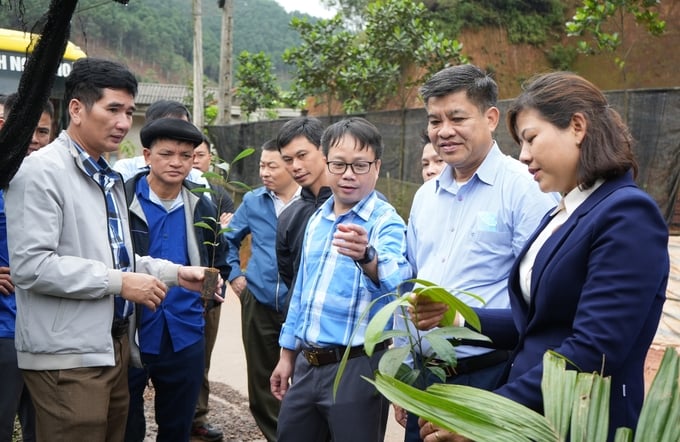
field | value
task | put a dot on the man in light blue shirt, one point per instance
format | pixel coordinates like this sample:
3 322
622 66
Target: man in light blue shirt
353 252
467 226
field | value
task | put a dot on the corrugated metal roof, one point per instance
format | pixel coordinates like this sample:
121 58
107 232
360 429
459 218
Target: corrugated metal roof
150 92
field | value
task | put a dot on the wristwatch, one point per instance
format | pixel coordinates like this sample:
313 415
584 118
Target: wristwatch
369 255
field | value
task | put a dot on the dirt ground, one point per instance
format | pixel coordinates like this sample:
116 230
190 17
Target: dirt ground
228 411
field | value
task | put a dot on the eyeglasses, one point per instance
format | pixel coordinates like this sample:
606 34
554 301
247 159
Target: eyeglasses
358 167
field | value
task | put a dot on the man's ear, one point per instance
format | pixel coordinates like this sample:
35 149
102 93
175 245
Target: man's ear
492 116
75 109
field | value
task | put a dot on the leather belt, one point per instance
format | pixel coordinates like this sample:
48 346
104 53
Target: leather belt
471 364
119 327
333 355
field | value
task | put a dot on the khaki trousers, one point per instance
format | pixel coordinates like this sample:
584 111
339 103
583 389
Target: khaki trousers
88 403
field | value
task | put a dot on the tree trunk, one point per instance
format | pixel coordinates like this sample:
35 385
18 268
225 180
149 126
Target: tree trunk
34 88
198 63
224 98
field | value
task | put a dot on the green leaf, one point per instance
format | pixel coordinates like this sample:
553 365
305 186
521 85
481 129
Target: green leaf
244 153
440 294
374 337
203 225
392 360
376 326
442 348
459 333
660 412
557 387
474 413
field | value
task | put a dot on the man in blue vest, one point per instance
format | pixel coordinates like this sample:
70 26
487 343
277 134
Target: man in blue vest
163 213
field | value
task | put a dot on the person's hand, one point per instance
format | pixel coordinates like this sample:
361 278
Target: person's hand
351 240
6 284
191 278
426 313
143 289
239 284
431 433
400 415
280 378
225 219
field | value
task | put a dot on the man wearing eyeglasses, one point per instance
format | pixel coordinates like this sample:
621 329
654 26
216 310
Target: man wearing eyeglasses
353 253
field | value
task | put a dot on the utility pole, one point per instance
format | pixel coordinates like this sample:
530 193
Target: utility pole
224 95
198 63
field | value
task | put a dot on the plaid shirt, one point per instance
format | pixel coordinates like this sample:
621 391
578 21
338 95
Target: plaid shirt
101 172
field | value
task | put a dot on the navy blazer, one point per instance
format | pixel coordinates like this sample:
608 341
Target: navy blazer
597 289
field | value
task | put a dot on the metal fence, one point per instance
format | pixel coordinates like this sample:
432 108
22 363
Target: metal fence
653 116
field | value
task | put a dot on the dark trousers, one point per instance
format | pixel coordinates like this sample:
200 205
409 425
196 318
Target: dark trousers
176 378
79 403
15 399
486 378
212 322
260 329
310 413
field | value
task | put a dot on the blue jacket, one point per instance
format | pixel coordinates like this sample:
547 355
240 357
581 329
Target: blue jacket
256 215
8 305
598 287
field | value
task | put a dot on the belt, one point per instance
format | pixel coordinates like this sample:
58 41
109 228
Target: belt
471 364
119 327
333 355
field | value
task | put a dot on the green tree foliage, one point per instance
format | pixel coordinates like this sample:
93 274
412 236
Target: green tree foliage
398 47
155 36
256 83
605 22
526 21
319 57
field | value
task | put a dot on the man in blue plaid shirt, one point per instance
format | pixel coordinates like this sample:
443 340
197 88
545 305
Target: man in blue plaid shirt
353 253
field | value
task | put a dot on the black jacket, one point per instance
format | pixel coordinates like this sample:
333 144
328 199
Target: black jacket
221 199
290 231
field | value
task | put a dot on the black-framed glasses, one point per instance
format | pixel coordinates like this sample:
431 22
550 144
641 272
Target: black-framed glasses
340 167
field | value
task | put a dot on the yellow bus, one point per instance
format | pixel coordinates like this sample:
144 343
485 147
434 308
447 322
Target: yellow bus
15 46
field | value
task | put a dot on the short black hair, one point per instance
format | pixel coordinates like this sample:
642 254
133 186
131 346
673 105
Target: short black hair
479 87
363 131
309 127
167 109
270 145
11 101
90 76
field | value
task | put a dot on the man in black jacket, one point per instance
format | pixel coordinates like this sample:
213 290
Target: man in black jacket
299 141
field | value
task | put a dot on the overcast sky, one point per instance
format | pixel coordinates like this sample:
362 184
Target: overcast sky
311 7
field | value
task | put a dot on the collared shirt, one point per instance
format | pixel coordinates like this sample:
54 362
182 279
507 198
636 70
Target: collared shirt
279 204
100 171
331 292
562 212
467 237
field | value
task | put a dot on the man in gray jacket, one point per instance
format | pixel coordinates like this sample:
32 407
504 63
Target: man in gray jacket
74 267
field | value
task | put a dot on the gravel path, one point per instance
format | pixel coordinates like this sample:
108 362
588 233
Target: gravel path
228 411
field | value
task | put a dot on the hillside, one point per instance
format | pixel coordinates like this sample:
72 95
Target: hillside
154 37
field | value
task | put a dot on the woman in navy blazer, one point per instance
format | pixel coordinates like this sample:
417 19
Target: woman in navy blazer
590 283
